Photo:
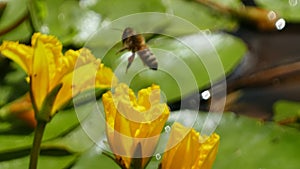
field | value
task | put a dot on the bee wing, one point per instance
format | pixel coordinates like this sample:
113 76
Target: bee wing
127 33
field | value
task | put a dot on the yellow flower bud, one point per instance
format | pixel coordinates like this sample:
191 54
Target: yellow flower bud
187 149
133 125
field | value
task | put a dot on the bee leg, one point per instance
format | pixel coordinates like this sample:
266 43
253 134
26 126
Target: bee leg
130 60
121 50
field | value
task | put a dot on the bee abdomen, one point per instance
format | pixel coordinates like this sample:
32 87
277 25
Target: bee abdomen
148 58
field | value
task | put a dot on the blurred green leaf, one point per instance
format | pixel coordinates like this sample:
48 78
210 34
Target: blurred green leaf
201 16
111 10
68 20
62 124
2 7
288 9
85 135
15 10
93 159
286 109
45 162
13 77
287 113
247 143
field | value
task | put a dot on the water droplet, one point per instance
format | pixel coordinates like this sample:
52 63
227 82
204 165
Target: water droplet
167 129
157 156
280 24
44 29
207 32
272 15
61 17
293 2
205 95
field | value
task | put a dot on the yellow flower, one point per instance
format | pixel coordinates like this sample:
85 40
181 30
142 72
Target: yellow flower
187 149
48 68
133 125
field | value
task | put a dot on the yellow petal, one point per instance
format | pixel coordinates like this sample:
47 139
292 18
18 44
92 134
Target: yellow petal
175 140
109 109
19 53
211 147
40 73
149 96
136 122
105 77
72 86
186 149
51 43
123 141
63 66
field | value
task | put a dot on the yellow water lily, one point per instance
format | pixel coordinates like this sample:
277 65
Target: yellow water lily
133 125
48 68
187 149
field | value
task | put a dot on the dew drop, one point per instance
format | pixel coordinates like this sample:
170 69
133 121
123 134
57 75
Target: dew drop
61 17
205 95
293 2
207 32
44 29
157 156
280 24
272 15
167 129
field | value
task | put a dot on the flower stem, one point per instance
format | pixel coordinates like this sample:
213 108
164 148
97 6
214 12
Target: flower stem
35 151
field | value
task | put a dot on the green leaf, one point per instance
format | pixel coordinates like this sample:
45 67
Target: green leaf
288 9
45 162
65 121
68 20
286 109
94 159
13 12
2 8
201 16
246 143
112 10
62 123
45 112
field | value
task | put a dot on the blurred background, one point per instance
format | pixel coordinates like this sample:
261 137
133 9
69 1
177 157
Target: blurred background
257 43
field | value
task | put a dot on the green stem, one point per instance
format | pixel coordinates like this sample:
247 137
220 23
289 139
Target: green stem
35 151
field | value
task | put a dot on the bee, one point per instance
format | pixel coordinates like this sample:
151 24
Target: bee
136 44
